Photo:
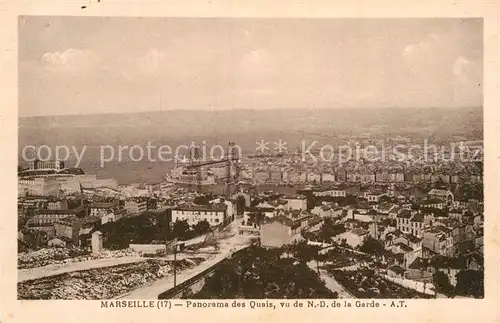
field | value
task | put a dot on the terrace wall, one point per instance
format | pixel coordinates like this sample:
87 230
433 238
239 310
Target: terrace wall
148 248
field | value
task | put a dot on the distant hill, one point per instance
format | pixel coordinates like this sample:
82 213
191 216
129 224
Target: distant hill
182 123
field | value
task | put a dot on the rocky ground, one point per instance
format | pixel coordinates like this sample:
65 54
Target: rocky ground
101 283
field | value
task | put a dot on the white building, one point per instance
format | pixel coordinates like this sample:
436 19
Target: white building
434 203
90 181
296 202
214 214
334 192
112 216
230 210
446 196
374 196
38 186
96 241
46 165
136 207
101 209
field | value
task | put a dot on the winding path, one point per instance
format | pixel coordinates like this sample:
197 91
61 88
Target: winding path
330 282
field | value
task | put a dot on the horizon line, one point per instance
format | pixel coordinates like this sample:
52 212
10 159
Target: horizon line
242 109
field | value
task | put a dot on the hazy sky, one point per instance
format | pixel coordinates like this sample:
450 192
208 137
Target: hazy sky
81 65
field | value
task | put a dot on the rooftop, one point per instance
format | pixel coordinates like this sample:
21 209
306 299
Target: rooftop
397 269
292 223
439 192
431 201
412 238
404 247
359 232
70 220
57 211
294 197
418 263
418 218
102 205
404 214
210 208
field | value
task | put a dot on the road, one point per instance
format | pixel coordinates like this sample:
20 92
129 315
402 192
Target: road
228 246
51 270
330 282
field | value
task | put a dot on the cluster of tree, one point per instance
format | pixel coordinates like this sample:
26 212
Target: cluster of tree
33 240
74 203
302 251
29 213
259 273
240 205
469 283
442 283
255 219
148 227
330 229
203 199
372 247
441 261
388 222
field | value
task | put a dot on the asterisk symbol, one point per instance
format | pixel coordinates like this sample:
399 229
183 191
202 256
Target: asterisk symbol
262 145
281 146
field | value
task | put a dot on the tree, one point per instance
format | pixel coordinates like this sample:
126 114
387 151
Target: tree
30 212
470 283
35 239
201 227
116 235
163 227
145 227
181 229
329 229
240 205
442 283
303 251
312 201
256 218
203 200
259 273
373 247
349 200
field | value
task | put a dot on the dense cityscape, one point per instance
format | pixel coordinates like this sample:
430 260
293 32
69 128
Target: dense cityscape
256 225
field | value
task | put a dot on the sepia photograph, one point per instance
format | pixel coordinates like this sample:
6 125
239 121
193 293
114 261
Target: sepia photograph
212 158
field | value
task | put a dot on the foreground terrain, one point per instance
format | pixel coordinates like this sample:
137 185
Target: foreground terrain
101 283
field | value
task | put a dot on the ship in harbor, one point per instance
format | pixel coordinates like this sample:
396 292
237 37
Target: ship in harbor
198 171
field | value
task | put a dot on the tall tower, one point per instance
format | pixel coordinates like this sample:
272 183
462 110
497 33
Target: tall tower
232 166
233 161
